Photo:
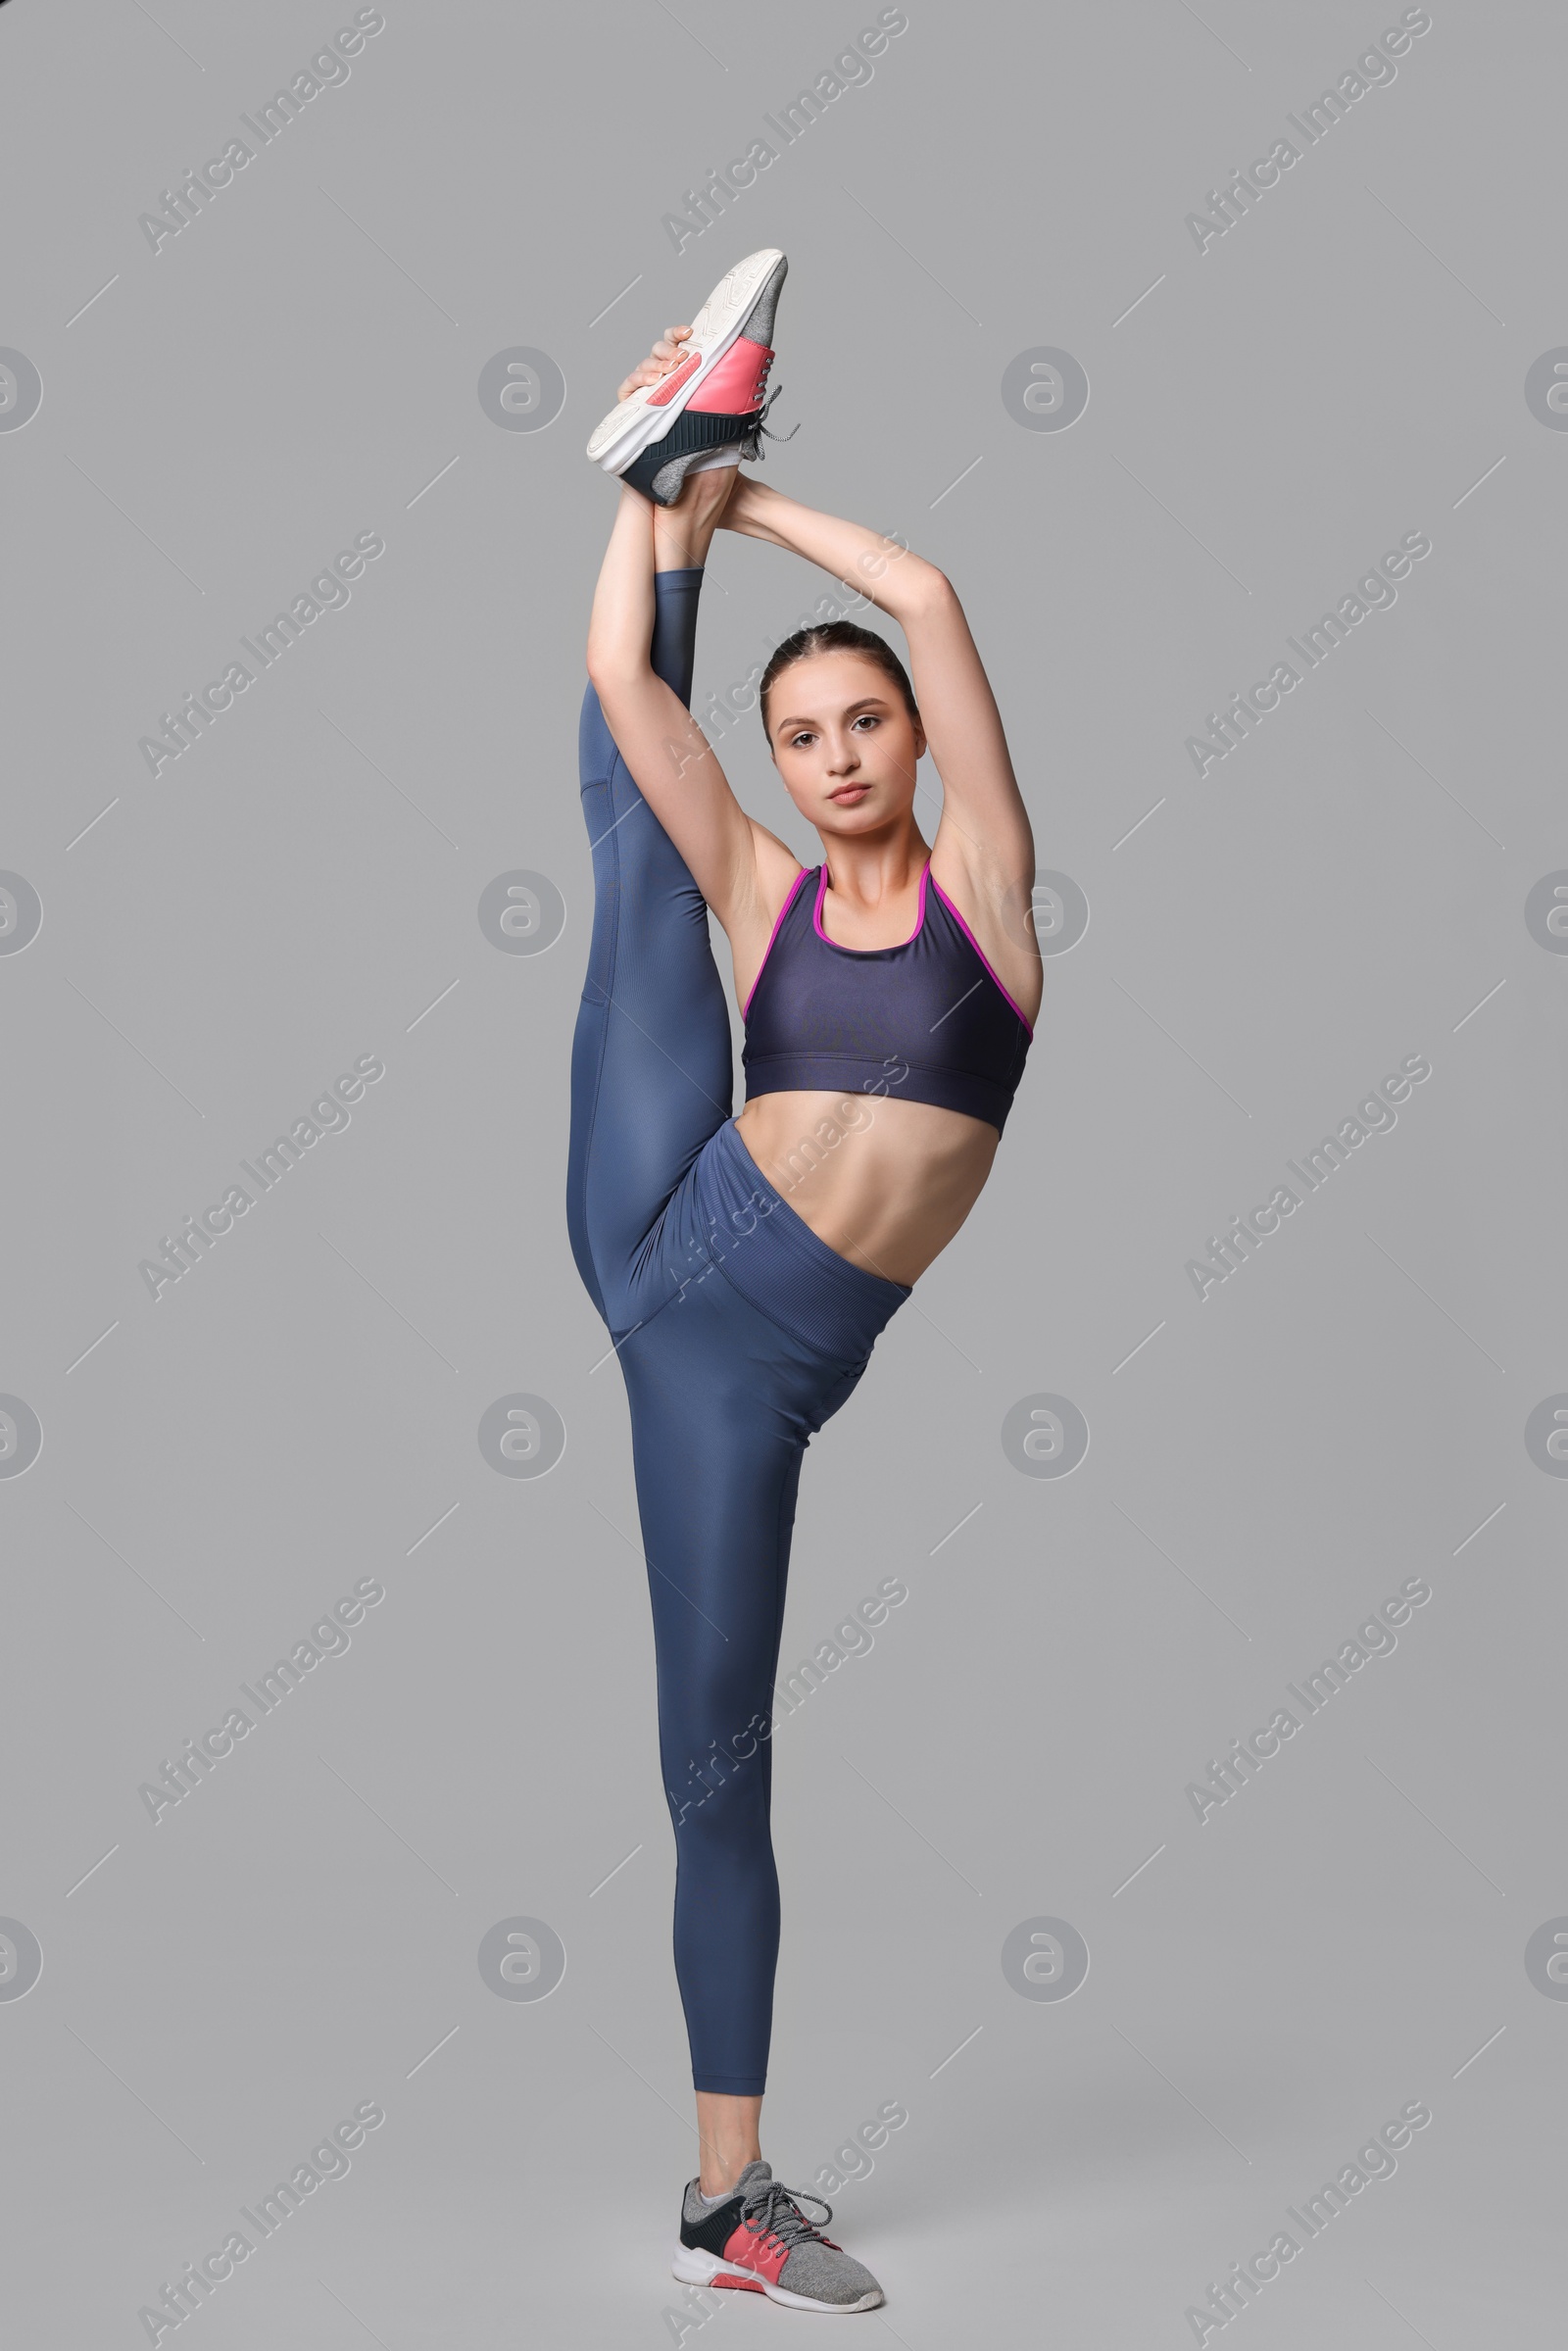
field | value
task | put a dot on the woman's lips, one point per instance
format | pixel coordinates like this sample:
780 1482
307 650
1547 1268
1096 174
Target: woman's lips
847 792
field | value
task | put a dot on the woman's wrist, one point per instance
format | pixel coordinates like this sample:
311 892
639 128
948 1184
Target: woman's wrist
740 512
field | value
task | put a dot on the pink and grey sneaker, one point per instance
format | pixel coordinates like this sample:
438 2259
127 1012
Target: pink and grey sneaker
759 2240
710 408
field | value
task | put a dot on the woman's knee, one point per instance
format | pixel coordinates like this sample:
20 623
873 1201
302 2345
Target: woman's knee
720 1804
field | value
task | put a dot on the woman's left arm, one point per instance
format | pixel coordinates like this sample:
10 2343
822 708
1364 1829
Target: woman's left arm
981 799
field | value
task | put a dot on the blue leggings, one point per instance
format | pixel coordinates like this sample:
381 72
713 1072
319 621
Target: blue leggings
738 1333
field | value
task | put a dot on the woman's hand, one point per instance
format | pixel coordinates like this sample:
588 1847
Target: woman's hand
665 355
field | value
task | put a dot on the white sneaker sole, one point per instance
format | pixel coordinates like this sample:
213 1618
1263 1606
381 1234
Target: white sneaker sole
632 425
693 2267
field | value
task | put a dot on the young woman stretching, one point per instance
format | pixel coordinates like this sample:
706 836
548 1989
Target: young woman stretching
745 1267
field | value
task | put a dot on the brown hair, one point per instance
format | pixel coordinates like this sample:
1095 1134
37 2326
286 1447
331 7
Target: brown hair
836 636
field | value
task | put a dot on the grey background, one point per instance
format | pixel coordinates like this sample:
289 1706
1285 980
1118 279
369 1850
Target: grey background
302 1409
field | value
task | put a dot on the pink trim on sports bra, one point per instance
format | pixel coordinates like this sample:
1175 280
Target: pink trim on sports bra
979 951
795 891
816 921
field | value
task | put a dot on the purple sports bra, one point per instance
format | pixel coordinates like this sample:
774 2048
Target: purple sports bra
925 1021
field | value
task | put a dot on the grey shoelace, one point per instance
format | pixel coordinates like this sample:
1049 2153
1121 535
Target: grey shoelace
752 447
775 2211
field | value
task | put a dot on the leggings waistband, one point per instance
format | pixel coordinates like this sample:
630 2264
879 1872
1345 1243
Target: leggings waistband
770 1254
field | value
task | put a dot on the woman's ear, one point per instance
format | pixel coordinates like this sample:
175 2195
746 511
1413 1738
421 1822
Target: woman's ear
919 740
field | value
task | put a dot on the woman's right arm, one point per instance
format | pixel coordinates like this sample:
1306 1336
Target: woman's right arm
669 757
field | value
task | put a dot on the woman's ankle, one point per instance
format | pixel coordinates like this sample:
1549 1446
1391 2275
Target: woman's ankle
683 532
723 2156
719 2178
728 2138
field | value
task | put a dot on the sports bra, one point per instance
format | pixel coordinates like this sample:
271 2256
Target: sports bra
925 1021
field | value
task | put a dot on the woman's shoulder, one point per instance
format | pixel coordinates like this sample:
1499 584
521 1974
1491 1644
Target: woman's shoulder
777 875
778 870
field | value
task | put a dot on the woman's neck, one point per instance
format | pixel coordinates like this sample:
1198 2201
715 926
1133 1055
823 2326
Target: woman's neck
870 869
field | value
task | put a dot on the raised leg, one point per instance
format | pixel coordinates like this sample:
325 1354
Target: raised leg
652 1074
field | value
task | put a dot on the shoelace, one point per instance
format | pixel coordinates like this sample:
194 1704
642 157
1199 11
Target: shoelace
752 447
775 2211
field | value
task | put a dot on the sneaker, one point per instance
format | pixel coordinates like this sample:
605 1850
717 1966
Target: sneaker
760 2240
714 398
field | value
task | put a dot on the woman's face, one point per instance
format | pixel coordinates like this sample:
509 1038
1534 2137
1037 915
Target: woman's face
844 741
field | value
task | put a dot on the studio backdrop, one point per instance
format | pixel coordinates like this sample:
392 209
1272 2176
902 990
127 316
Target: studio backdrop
1167 1750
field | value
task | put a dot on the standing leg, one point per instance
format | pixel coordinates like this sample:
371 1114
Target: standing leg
722 1403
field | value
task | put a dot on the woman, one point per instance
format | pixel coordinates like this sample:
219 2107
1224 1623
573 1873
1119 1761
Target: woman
745 1267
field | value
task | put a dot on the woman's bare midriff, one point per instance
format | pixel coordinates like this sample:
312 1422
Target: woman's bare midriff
886 1184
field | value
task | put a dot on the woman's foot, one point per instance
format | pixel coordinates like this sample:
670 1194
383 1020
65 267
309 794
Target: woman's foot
702 392
759 2240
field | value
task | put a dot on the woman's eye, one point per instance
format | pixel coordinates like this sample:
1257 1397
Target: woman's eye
866 718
